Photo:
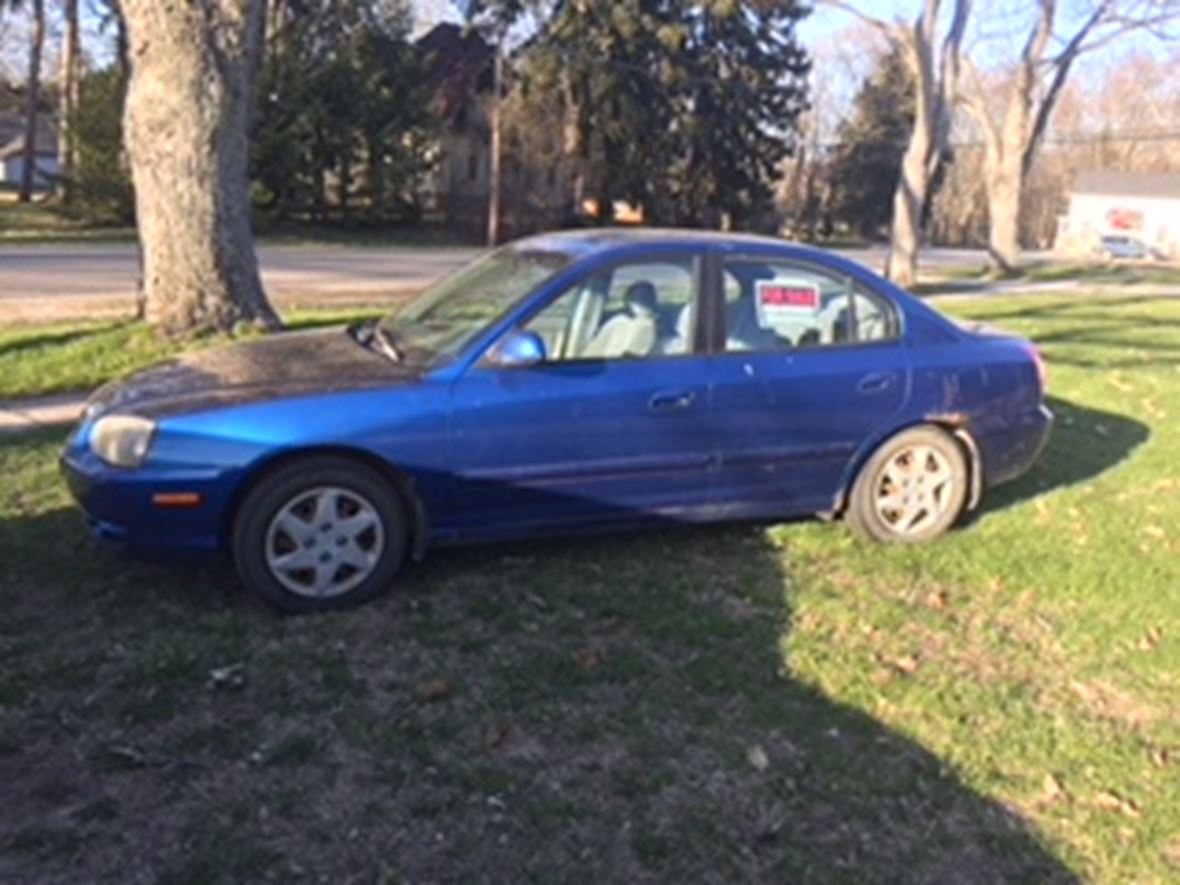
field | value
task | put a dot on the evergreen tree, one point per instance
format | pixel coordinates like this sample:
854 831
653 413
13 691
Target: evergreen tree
867 158
743 89
687 108
100 181
341 119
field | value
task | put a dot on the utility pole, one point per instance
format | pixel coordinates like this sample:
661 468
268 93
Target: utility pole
496 160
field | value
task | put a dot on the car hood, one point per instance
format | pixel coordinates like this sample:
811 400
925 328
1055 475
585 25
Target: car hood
287 364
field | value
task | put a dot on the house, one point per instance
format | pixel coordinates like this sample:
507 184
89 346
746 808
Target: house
12 147
458 72
536 190
1144 206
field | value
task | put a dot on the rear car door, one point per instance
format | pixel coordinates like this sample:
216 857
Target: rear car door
611 425
810 365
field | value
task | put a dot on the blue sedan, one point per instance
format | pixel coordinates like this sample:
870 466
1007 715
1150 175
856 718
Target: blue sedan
567 382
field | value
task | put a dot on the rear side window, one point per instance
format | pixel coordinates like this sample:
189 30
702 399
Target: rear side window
781 305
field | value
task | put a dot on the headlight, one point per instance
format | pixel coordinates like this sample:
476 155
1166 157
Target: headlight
122 440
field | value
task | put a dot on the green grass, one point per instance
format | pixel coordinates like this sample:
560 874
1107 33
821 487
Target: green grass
40 359
1107 274
42 222
28 223
746 703
969 278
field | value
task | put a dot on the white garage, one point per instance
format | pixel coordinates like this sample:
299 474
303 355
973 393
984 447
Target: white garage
1141 206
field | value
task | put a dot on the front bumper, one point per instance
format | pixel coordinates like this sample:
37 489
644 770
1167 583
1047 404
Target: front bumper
120 511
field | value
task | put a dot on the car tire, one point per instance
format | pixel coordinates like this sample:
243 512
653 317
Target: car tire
319 534
912 488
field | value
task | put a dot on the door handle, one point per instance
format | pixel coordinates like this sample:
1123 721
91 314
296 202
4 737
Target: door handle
878 382
671 400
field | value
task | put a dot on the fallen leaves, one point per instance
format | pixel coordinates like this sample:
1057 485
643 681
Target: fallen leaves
1161 757
1052 788
758 758
231 676
936 600
1110 702
496 735
907 664
1108 800
1149 640
435 690
590 658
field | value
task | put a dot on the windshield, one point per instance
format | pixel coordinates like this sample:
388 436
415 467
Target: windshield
439 323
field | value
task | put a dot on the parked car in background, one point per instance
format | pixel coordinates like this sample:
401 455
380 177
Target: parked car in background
568 382
1114 247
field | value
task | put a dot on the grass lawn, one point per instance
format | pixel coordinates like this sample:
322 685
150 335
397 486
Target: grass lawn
742 703
56 357
39 222
1106 274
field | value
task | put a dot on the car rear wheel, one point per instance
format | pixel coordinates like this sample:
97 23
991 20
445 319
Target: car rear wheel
912 488
319 534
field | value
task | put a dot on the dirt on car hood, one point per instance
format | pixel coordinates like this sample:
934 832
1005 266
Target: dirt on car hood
287 364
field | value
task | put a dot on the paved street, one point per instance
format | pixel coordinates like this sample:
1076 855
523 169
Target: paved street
69 280
66 281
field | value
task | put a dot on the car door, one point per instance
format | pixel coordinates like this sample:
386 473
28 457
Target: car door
809 366
611 425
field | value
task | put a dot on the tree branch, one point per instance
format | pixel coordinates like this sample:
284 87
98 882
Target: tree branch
887 29
975 101
1062 67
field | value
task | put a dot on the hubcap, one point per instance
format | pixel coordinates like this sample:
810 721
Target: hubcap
324 542
914 490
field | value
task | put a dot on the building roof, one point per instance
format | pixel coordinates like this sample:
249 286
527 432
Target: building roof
1163 185
457 65
12 136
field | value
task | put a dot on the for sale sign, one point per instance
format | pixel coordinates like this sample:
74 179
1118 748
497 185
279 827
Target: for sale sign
785 303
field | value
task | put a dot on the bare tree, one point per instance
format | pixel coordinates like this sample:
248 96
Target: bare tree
934 62
32 99
69 86
187 130
1014 126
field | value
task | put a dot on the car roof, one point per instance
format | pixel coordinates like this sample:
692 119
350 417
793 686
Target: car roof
585 242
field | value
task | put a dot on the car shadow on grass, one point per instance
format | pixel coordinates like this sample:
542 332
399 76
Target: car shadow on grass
1083 444
610 708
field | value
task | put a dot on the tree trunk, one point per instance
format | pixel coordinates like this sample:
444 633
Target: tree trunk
495 160
187 131
68 99
905 230
934 85
29 154
1005 184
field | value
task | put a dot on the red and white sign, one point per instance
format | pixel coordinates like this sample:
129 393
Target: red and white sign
783 302
1124 219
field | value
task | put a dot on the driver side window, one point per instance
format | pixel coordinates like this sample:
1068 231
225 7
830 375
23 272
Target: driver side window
635 310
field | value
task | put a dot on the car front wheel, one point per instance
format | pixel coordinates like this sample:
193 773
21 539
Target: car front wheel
912 488
319 534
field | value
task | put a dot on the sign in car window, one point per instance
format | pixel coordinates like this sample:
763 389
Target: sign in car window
786 303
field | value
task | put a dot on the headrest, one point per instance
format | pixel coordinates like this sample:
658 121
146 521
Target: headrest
641 295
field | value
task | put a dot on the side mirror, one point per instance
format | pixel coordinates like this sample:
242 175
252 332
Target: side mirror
519 348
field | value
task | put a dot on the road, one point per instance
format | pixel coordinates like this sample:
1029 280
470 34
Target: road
67 281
